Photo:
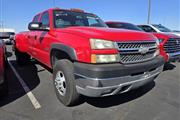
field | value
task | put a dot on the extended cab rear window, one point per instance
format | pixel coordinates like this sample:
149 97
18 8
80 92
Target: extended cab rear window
65 18
36 18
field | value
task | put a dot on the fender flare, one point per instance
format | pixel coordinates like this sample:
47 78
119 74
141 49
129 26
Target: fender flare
69 50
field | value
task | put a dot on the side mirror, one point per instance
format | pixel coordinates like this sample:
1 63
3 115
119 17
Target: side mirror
37 26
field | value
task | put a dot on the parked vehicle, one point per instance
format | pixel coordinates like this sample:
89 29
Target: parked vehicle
176 31
3 81
123 25
86 56
7 35
169 43
168 49
158 28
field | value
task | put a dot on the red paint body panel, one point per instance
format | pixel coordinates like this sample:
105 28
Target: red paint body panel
165 38
109 34
110 51
74 37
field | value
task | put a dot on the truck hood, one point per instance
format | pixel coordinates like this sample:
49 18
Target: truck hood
176 33
108 33
166 35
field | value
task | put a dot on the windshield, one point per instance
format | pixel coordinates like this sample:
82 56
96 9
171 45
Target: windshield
64 18
162 28
124 26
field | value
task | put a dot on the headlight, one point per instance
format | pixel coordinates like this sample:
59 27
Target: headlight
157 49
101 44
104 58
157 43
157 52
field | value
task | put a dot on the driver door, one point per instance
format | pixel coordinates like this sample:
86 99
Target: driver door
41 41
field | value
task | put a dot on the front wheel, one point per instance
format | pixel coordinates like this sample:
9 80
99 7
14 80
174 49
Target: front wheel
64 82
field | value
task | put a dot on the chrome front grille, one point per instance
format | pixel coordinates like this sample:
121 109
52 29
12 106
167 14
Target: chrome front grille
133 52
123 46
172 45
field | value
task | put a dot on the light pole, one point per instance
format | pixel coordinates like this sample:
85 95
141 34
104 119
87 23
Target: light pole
149 11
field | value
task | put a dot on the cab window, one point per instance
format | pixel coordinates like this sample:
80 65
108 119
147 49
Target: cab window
45 19
36 18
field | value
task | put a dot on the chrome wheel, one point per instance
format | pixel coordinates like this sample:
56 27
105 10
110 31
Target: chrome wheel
60 83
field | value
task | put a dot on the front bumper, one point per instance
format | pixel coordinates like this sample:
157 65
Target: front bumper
111 79
174 56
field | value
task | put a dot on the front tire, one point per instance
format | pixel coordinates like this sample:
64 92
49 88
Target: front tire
22 58
64 82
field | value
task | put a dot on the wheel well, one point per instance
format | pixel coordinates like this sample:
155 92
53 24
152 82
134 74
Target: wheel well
58 55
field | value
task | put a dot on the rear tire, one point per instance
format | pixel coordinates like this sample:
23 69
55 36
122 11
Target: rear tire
63 77
22 58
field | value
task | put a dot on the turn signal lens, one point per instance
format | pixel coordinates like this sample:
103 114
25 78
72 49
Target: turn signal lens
104 58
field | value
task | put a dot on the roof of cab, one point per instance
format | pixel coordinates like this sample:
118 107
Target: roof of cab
71 9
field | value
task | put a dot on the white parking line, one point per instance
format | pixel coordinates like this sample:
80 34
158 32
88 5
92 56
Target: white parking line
26 88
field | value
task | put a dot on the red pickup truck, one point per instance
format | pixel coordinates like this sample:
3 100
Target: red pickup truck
86 56
169 43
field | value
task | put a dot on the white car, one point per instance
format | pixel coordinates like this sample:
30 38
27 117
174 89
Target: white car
176 33
157 28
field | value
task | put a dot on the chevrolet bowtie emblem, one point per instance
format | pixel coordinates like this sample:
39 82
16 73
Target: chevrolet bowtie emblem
143 50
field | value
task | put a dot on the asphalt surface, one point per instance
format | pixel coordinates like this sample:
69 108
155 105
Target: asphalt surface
159 100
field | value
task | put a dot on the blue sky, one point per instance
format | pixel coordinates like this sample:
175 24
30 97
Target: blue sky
18 13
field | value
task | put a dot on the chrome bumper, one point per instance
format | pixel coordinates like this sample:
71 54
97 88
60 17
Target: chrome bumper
121 84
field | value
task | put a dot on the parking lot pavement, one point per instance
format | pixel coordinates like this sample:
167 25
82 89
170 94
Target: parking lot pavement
159 100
